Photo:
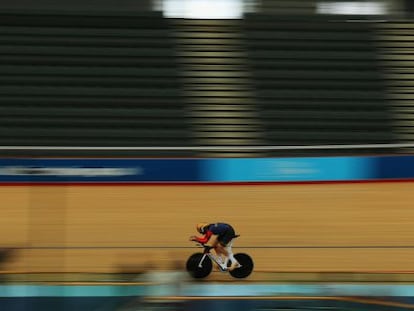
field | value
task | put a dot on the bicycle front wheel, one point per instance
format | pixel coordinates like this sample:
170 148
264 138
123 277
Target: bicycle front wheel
196 270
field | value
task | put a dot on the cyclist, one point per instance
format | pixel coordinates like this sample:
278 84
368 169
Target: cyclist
220 237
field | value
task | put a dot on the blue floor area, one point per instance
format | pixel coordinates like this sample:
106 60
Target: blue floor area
200 297
209 290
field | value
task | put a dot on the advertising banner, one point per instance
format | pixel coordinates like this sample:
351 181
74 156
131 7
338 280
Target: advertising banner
288 169
99 170
394 167
208 170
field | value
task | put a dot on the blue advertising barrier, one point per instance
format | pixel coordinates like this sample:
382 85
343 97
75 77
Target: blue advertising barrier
99 170
397 167
213 170
288 169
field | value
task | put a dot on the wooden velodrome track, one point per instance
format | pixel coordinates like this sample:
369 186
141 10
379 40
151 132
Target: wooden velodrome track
313 227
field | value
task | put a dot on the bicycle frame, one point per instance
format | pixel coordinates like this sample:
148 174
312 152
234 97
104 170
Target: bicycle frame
213 258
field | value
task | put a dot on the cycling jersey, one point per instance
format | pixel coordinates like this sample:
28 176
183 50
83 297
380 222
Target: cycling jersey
224 231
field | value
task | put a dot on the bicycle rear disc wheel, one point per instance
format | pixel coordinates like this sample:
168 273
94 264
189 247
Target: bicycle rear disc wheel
195 270
246 268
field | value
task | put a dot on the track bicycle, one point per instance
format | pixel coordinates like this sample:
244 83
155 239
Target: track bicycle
200 265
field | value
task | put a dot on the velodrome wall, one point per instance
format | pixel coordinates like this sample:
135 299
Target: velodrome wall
306 214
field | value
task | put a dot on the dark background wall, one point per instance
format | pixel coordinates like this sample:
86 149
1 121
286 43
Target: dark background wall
91 5
135 79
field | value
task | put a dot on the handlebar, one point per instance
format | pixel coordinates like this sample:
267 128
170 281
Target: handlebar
200 244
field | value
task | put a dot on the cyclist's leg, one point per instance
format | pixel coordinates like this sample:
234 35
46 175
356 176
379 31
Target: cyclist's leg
214 242
226 242
229 253
234 264
221 249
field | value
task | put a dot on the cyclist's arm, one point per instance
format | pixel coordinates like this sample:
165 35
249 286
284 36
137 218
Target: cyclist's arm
204 239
